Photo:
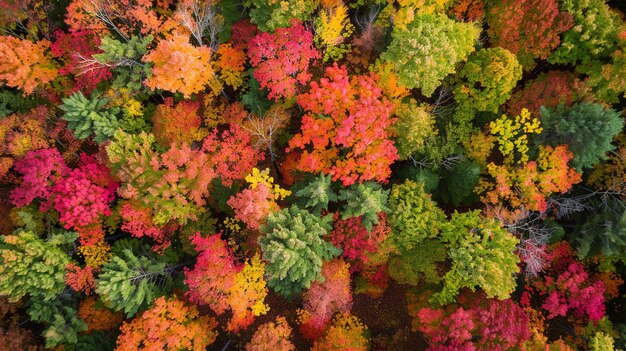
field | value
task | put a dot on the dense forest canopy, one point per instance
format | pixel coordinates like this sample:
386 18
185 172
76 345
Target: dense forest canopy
312 175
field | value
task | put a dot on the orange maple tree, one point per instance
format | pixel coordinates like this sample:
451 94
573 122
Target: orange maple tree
179 67
168 325
25 65
347 129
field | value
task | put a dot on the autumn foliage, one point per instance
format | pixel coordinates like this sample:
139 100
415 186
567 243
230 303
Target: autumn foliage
168 324
312 174
359 127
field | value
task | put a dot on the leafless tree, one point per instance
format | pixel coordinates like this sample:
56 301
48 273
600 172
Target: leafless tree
200 18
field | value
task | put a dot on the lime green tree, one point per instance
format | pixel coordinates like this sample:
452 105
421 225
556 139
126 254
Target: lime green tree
428 50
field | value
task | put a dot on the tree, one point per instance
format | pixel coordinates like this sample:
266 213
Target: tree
88 117
231 153
413 217
40 170
61 320
530 29
566 288
317 194
79 279
513 135
70 48
20 133
605 233
25 65
588 130
219 282
332 28
358 244
270 15
419 264
324 299
365 200
496 325
179 67
123 58
272 336
131 281
213 274
429 49
346 333
97 317
281 60
252 205
549 89
415 126
487 80
482 254
526 187
170 324
32 266
347 129
246 297
82 197
593 35
178 124
294 249
172 184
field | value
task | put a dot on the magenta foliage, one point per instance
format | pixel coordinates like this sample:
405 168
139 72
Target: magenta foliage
282 59
40 170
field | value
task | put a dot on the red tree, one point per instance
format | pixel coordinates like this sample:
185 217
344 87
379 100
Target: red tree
549 90
347 129
231 153
281 60
323 299
71 47
528 28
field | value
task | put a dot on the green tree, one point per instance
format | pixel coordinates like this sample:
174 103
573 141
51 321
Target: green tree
130 281
88 117
61 319
458 184
294 249
364 199
482 254
487 79
272 14
414 127
124 59
317 193
418 264
586 128
414 215
593 36
604 233
428 50
32 266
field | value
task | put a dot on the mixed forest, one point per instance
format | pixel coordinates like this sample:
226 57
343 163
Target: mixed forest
312 175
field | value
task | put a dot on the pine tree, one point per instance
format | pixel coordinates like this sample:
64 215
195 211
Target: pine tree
294 249
61 320
364 200
317 194
129 282
88 117
586 128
